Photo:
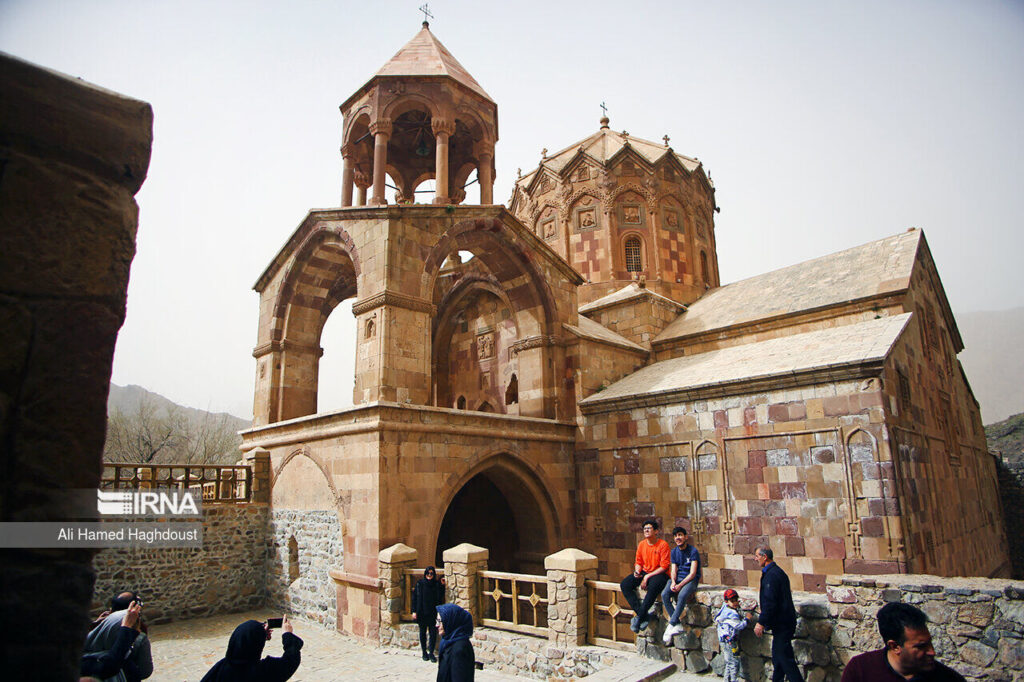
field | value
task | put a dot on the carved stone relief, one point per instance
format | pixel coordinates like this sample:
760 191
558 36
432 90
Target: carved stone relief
631 215
586 218
485 346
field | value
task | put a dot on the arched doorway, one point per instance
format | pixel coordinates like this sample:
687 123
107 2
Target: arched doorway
506 510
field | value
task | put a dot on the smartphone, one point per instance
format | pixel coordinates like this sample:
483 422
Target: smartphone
274 623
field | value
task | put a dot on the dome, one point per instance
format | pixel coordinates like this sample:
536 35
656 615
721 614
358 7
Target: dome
621 209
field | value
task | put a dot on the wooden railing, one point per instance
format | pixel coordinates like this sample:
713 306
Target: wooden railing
218 483
514 601
408 583
608 619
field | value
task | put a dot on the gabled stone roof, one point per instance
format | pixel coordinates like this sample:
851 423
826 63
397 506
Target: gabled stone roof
873 269
424 55
837 352
588 329
627 293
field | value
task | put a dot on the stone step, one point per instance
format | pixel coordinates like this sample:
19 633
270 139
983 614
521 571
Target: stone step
637 670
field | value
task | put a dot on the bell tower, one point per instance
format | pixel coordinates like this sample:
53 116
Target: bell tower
421 117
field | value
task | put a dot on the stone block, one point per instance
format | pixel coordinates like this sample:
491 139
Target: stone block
398 553
978 614
570 559
465 553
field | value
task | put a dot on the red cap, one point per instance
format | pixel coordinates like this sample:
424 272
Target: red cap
731 594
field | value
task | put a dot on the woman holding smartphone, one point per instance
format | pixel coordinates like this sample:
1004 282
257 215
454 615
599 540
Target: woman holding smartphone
242 661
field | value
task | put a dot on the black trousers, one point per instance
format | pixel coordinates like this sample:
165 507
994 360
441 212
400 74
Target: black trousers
655 585
783 658
424 629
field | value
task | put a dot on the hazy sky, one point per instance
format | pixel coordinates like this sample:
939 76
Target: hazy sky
824 125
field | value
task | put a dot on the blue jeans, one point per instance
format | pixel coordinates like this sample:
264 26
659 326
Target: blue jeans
681 598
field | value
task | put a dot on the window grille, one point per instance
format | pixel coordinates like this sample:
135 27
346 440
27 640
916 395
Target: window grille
633 260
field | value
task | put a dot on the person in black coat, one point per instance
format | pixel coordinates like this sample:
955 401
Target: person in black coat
426 597
242 662
456 662
778 615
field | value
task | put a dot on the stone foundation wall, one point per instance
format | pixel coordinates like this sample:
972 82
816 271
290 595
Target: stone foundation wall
534 657
306 588
977 626
226 575
1011 493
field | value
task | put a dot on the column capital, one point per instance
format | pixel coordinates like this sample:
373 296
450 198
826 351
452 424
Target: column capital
347 151
483 149
361 179
382 126
442 126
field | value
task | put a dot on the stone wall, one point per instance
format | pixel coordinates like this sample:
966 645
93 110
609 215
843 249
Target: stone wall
1011 492
305 588
533 657
977 626
226 575
72 157
806 470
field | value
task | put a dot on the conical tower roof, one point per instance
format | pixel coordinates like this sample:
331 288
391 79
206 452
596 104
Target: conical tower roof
424 55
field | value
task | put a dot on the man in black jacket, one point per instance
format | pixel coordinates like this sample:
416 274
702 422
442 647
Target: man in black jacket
778 615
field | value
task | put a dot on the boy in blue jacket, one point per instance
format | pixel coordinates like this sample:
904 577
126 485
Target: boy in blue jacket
729 622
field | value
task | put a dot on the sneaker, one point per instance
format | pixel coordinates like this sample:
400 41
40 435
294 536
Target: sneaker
433 658
643 624
634 624
670 632
425 657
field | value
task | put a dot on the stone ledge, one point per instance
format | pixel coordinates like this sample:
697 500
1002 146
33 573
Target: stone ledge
355 579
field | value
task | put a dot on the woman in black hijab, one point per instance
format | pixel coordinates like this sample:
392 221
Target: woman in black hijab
426 597
456 662
242 662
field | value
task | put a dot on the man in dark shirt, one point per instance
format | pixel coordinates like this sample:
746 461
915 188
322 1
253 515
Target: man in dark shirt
778 615
907 655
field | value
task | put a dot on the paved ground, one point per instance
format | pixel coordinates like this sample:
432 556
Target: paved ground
185 650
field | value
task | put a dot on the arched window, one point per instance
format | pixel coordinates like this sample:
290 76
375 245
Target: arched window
485 407
634 263
461 402
704 268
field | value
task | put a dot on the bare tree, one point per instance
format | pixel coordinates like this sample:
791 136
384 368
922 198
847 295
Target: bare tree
154 434
142 435
211 439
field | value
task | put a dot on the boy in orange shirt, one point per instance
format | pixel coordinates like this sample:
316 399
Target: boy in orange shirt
650 573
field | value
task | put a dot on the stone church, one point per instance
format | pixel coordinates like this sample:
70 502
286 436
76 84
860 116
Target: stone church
585 369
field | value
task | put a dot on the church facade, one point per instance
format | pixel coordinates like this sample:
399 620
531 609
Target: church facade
586 370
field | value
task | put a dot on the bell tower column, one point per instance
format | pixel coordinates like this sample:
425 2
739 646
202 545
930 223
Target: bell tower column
347 175
381 131
442 130
362 184
485 171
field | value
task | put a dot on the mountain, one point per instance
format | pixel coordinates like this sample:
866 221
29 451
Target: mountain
991 358
1007 437
146 428
127 399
